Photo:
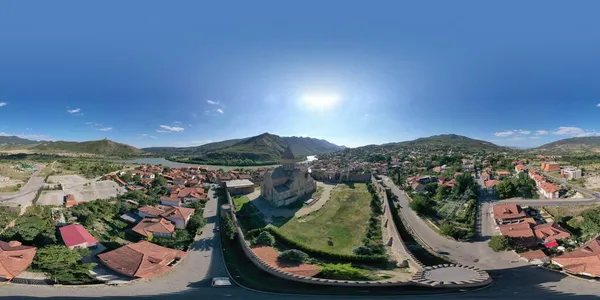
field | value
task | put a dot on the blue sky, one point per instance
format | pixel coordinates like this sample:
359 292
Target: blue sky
183 73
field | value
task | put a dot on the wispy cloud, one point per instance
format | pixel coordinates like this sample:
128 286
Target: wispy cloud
597 105
166 128
147 135
74 111
36 137
541 132
535 137
574 131
2 104
176 122
194 115
220 111
211 102
105 129
504 133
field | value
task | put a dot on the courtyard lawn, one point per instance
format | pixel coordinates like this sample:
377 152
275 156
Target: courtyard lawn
240 202
248 215
343 219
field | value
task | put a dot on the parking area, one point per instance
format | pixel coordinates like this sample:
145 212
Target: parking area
83 189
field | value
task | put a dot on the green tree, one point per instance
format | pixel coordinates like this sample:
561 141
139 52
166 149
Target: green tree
159 181
448 229
196 223
181 241
63 264
228 227
442 192
265 239
137 178
501 243
293 256
127 177
422 205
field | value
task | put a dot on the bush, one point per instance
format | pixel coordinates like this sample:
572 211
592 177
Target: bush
265 239
362 250
293 256
501 243
343 272
228 227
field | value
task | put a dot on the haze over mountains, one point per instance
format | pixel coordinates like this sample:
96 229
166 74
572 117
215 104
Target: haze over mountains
268 147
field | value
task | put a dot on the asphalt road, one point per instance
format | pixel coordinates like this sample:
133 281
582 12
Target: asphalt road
191 279
27 193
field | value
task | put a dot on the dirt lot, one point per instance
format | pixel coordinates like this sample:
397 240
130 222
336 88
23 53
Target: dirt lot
567 211
86 190
51 198
592 182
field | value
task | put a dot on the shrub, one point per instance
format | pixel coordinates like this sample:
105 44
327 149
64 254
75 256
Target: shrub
228 227
265 239
501 243
343 272
293 256
362 250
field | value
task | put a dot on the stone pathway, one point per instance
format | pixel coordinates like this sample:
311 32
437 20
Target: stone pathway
320 202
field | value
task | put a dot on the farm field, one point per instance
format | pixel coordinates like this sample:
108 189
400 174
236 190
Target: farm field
343 220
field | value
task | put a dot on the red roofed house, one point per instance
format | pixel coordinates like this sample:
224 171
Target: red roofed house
582 261
550 166
550 232
549 190
156 227
503 173
536 257
191 194
521 233
170 201
508 213
520 168
14 259
76 236
141 260
176 214
491 184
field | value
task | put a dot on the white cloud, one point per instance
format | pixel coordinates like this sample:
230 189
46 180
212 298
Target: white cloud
220 111
74 111
504 133
166 128
3 104
573 131
36 137
523 132
89 123
176 122
535 137
211 102
597 105
147 135
105 129
541 132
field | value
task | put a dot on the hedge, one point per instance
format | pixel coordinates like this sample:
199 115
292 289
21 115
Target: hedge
324 254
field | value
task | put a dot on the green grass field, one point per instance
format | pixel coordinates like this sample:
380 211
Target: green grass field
239 202
344 218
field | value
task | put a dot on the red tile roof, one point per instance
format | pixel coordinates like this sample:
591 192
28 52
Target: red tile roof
491 183
521 167
151 210
508 211
149 226
582 260
14 258
178 212
141 260
550 232
503 172
534 254
549 187
75 234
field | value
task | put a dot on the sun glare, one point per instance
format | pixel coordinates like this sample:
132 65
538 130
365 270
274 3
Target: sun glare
321 102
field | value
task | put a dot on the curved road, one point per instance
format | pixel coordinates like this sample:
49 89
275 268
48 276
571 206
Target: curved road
191 278
27 193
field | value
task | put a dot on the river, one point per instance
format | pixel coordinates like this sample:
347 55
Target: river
172 164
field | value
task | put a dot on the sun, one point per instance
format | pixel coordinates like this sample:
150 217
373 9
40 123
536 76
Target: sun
321 101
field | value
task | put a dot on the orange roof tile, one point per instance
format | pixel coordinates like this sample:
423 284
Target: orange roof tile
149 226
508 211
14 258
582 260
142 259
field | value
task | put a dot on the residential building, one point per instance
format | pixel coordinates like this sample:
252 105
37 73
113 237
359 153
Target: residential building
508 213
570 173
155 227
170 201
549 190
550 166
180 216
550 232
503 174
76 236
485 176
141 260
190 194
239 186
491 184
14 259
521 233
535 257
70 200
582 261
520 169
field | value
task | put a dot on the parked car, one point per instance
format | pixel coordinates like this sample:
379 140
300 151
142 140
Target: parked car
442 252
221 281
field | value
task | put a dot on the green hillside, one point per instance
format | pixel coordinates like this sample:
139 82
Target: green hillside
577 144
103 147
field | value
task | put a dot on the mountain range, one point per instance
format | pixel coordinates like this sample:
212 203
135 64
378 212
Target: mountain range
267 148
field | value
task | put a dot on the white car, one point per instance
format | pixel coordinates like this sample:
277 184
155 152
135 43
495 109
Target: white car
221 281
